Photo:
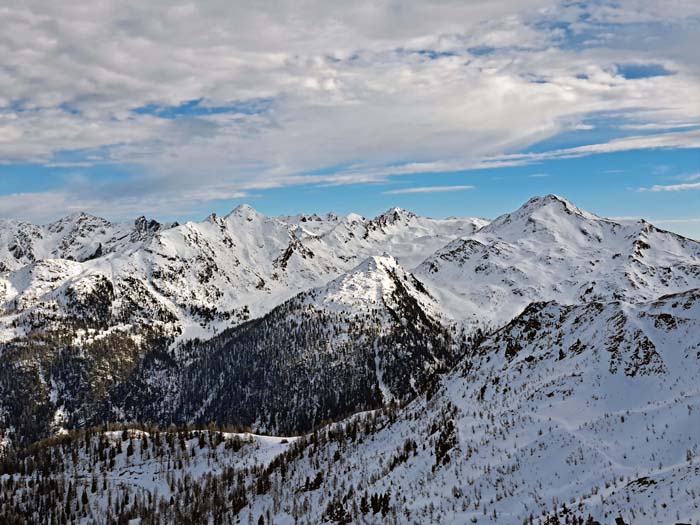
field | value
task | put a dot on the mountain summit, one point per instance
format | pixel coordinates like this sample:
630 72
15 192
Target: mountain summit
539 368
549 249
549 214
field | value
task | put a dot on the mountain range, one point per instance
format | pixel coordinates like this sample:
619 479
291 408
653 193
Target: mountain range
536 368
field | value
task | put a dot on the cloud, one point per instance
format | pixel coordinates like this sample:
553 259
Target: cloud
673 187
538 175
249 95
688 184
428 189
673 140
43 207
687 220
688 226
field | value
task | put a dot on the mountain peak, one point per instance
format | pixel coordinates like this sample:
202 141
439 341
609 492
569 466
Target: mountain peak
393 215
354 217
376 263
142 224
542 201
396 211
245 211
374 282
73 218
548 212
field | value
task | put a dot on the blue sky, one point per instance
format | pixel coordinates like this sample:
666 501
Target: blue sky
611 189
447 109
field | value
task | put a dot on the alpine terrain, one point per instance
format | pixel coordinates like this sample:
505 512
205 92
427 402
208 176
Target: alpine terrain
541 367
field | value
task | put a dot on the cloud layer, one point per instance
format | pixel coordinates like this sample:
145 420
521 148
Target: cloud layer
429 189
673 187
239 96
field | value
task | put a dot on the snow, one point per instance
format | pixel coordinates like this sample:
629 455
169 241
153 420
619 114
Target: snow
78 237
552 430
551 250
369 286
584 394
145 472
213 274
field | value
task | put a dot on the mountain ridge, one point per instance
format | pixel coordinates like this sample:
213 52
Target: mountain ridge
559 416
211 272
195 281
540 368
549 249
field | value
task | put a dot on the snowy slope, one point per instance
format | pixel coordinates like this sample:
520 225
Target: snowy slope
319 299
404 235
200 277
311 225
551 250
576 410
77 237
370 336
371 286
146 465
568 412
243 265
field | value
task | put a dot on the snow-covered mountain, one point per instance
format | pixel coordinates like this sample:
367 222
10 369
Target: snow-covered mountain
198 277
568 413
569 410
77 237
539 368
551 250
378 284
369 337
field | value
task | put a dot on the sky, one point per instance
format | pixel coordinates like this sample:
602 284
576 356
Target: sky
174 109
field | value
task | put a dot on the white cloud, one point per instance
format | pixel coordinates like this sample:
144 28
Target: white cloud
354 93
429 189
675 140
43 207
688 226
673 187
687 220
